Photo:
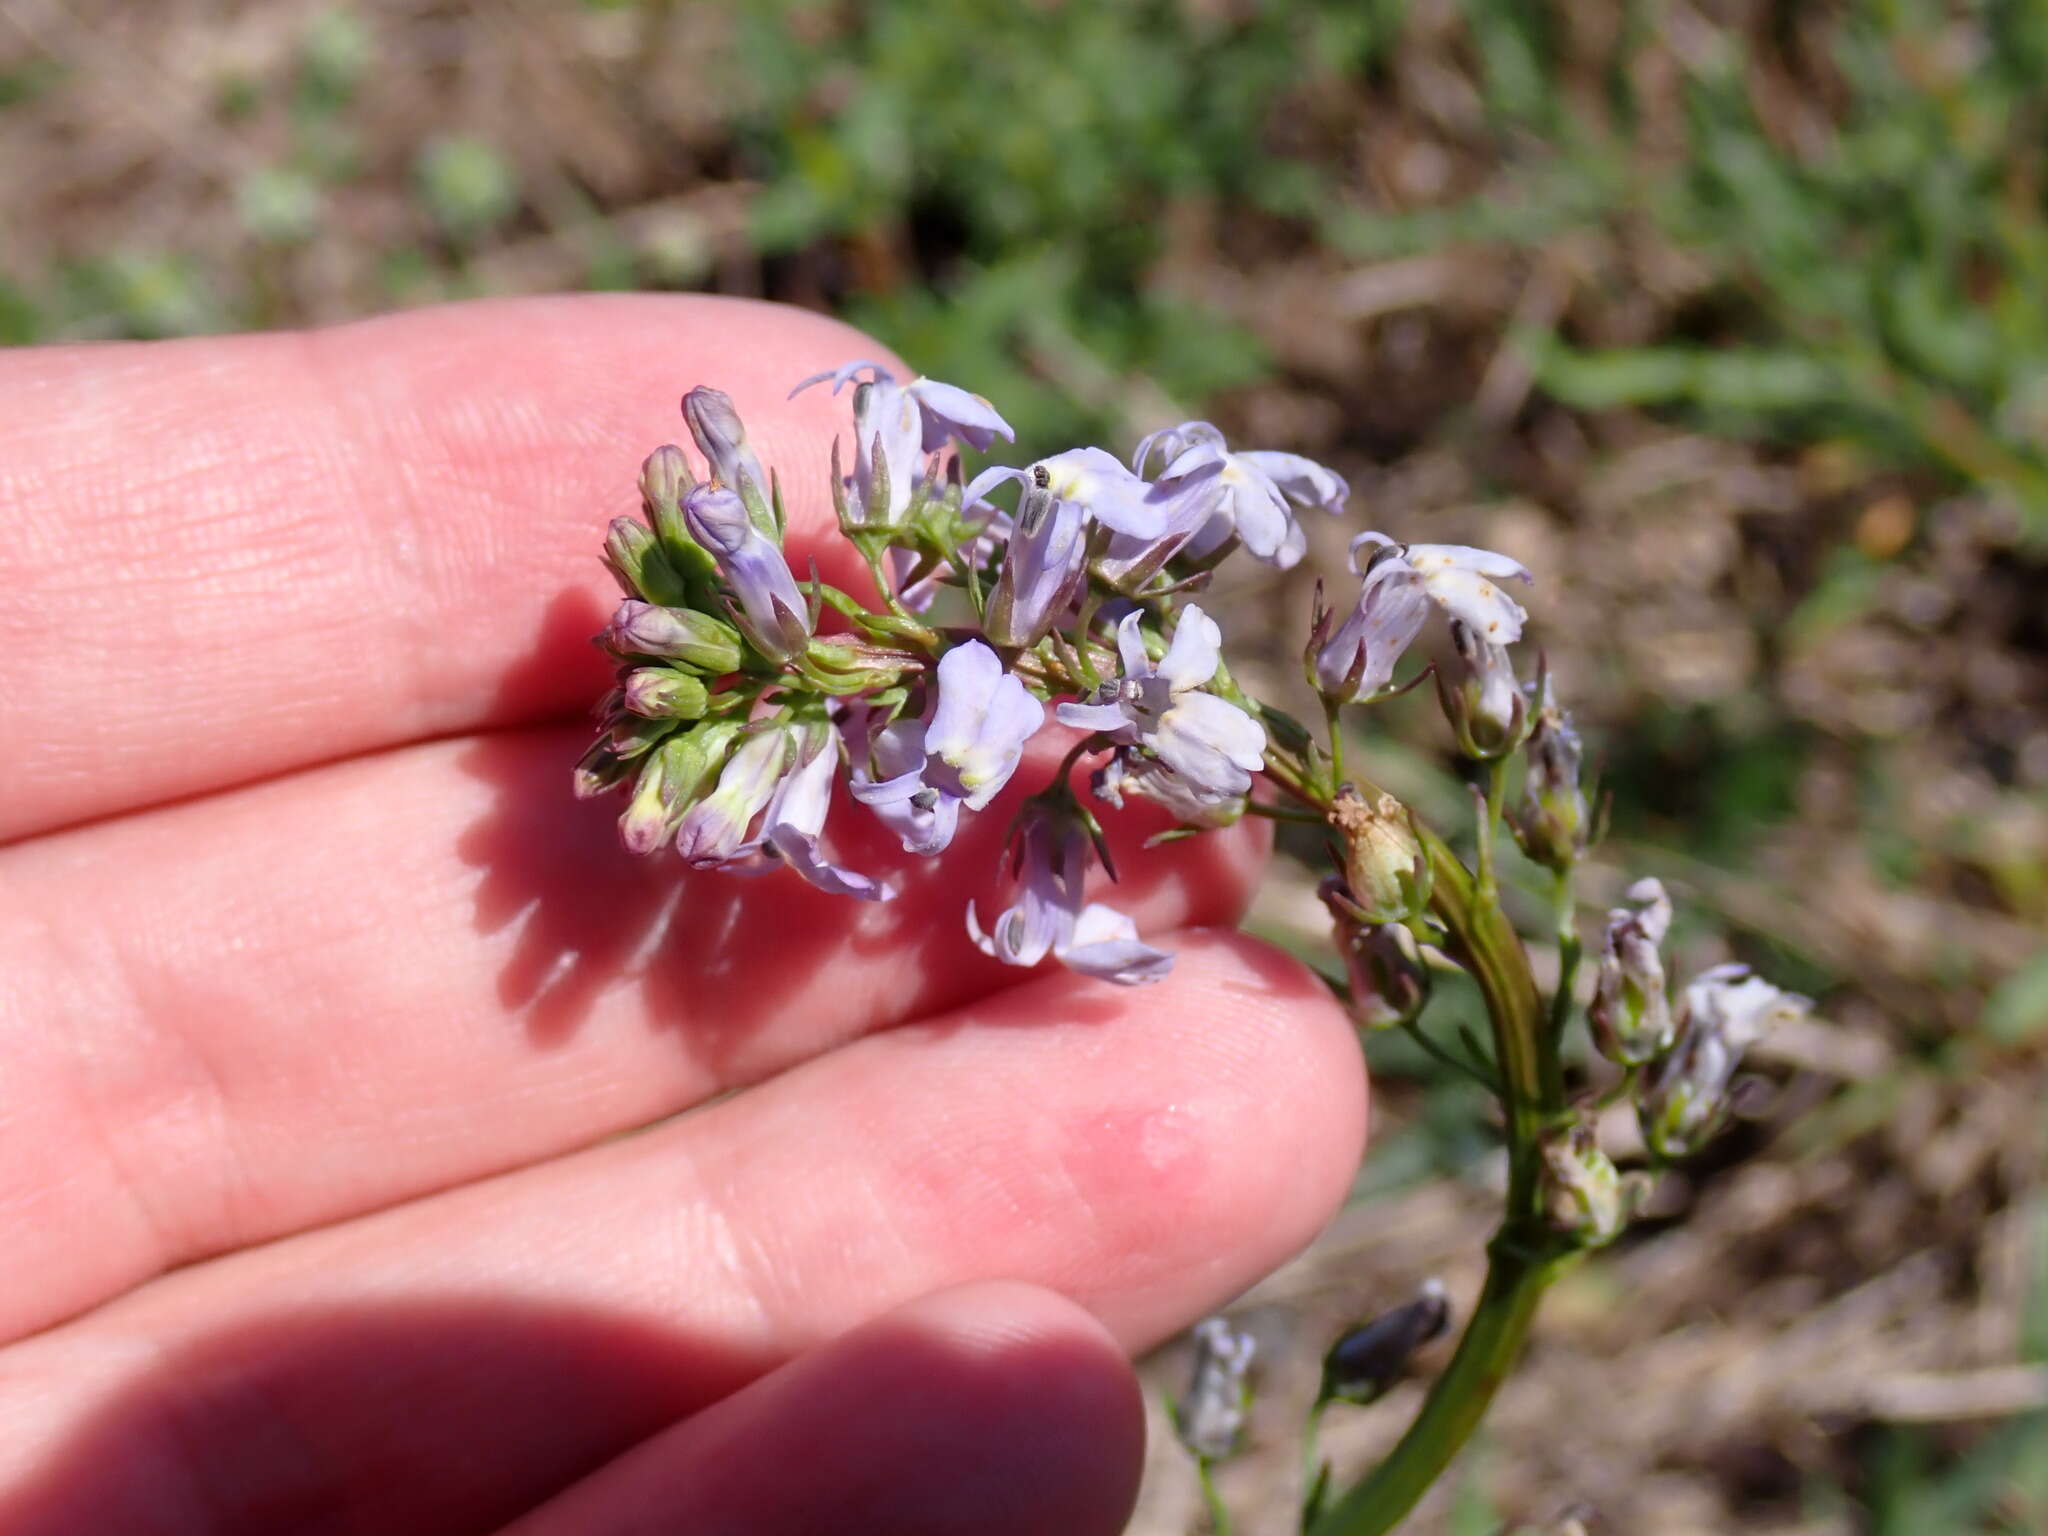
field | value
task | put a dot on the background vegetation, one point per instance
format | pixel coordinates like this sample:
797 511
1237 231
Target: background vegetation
1730 318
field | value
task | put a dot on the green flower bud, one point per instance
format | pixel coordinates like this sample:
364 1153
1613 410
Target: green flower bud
636 562
662 693
672 779
675 634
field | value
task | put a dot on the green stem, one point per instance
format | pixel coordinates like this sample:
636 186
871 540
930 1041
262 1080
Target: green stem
1489 826
1285 813
1311 1453
1515 1281
1219 1512
1336 743
1526 1253
1565 915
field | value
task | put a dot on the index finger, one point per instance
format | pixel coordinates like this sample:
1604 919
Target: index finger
232 557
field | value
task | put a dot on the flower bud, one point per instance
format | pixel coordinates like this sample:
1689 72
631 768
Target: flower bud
675 634
638 565
1386 871
1725 1011
1583 1194
1476 685
1389 982
662 693
665 479
772 612
1551 822
714 830
1210 1418
1630 1015
722 438
1370 1358
671 780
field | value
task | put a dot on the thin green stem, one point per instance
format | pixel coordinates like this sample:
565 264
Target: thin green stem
1526 1253
1219 1512
1336 742
1564 915
1489 826
1285 813
1449 1058
1311 1455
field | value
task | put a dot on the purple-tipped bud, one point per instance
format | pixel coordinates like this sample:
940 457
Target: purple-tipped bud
1485 705
714 831
1630 1014
1725 1011
661 693
1210 1419
671 780
772 613
1387 873
676 634
722 438
1369 1358
1551 823
1390 984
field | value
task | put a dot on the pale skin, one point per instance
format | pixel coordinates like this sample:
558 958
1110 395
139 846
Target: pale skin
323 1005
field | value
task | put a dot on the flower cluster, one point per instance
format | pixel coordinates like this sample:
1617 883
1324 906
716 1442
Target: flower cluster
749 688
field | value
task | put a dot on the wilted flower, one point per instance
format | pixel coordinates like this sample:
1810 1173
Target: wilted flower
1210 1418
1724 1011
1051 915
1386 871
1630 1015
772 612
1255 494
1389 982
925 771
1213 745
1369 1358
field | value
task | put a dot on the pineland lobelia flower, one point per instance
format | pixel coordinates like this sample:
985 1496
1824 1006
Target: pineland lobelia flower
1214 746
1725 1010
1258 493
926 771
1052 916
1357 659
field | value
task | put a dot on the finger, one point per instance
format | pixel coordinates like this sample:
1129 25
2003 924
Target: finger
231 556
989 1409
394 974
454 1362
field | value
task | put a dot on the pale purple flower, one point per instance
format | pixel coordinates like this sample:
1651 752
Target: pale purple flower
1051 915
896 427
1259 492
1357 660
1107 492
772 612
796 816
722 438
1214 746
1463 581
926 771
1132 772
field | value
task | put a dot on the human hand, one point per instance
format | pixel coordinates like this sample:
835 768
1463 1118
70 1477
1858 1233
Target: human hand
324 1006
